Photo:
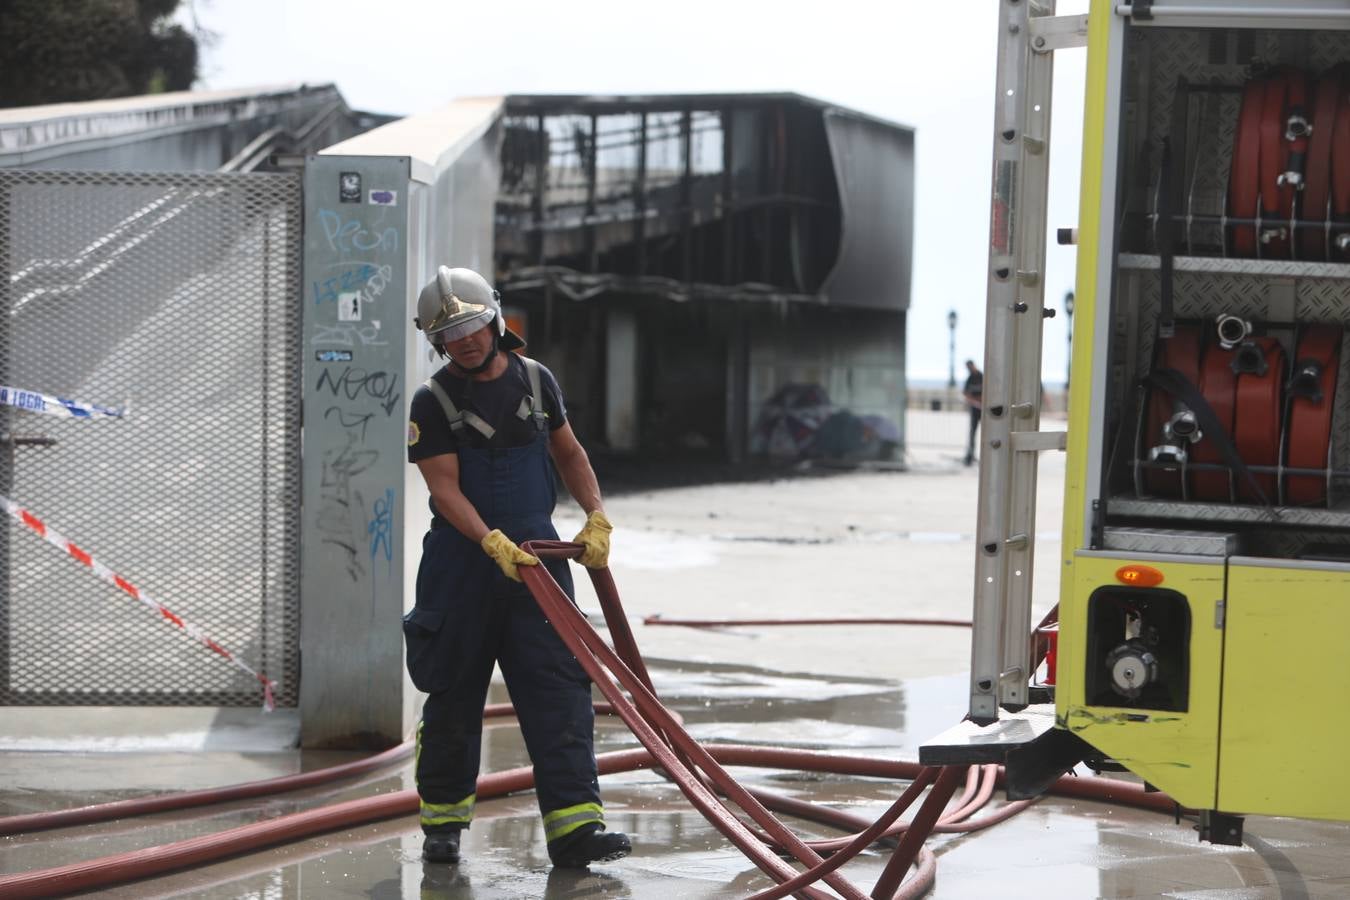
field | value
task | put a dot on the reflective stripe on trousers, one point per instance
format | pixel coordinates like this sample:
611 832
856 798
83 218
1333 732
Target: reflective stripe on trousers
562 822
459 813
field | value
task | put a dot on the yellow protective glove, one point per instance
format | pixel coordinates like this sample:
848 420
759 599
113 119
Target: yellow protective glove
506 554
595 537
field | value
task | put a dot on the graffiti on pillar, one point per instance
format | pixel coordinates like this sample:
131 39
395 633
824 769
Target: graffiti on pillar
356 384
339 500
355 272
348 235
380 527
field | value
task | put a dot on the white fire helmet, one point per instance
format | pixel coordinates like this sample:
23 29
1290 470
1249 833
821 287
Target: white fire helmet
458 302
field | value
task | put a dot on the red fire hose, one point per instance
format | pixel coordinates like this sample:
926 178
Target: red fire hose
1218 384
1317 366
1340 172
139 806
659 619
1317 186
1284 146
151 861
1182 353
1256 421
1244 181
668 747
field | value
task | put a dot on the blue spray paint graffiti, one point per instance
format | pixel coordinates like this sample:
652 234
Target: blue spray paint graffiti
349 281
381 528
366 280
350 235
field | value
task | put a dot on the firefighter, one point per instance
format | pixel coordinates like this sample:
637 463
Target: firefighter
486 432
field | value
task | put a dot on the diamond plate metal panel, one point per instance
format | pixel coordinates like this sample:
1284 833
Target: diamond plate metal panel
175 295
1170 540
1266 268
1229 512
1212 128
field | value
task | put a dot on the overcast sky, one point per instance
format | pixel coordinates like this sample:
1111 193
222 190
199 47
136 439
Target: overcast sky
926 65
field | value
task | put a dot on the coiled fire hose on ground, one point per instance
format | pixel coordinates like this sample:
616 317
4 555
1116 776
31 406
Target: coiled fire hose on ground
696 769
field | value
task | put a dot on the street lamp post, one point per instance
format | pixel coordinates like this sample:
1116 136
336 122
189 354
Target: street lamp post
1068 336
951 349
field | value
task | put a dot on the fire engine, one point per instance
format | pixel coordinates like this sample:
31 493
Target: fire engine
1199 640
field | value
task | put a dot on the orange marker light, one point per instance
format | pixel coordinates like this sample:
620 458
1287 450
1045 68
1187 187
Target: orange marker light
1139 576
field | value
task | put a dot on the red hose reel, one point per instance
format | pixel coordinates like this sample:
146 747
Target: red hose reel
1275 410
1289 183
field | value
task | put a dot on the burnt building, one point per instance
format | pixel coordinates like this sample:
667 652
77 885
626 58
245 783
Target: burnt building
679 260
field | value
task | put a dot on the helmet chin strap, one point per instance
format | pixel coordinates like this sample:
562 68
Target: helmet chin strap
481 367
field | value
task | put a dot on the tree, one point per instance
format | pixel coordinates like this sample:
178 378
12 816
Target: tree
58 51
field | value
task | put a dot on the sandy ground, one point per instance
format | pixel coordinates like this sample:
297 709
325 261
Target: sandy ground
868 543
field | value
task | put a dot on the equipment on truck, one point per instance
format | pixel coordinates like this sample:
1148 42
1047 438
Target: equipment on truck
1205 566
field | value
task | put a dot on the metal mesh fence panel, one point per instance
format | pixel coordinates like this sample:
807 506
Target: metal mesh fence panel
175 296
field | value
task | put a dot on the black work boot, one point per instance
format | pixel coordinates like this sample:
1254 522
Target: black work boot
588 844
441 847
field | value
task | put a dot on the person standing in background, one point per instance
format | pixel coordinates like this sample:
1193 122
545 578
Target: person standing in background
973 392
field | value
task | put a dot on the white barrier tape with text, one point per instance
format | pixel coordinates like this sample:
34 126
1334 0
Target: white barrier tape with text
35 401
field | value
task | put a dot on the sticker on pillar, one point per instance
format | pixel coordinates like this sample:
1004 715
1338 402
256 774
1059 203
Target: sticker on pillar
384 198
333 355
349 187
349 306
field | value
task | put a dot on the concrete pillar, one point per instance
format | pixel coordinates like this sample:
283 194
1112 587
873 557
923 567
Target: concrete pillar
356 331
382 210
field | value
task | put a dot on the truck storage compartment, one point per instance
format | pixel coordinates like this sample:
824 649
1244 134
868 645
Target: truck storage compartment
1229 356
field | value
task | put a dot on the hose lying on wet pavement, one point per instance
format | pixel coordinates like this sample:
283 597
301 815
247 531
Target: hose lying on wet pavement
659 619
136 864
697 769
139 806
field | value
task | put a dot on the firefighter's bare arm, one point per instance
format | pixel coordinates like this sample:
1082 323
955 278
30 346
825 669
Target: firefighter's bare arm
441 474
575 468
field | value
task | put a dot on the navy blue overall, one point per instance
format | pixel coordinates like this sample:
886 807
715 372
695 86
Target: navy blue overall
469 615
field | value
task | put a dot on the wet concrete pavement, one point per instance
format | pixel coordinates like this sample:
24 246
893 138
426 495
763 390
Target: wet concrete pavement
854 544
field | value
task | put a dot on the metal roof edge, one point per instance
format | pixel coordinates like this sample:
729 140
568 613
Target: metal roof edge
432 141
624 101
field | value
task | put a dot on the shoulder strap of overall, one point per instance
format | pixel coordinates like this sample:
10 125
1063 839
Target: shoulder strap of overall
533 405
454 416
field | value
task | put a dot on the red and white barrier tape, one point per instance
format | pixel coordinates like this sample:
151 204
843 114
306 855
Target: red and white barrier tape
40 528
